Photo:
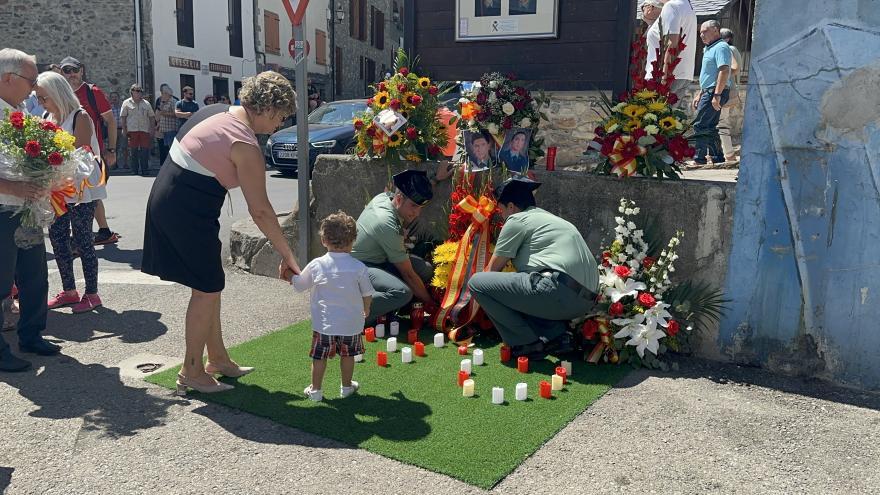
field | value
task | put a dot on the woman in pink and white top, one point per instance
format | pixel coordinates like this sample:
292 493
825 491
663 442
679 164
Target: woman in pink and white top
216 150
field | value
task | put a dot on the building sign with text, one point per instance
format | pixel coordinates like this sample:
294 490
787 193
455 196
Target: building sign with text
184 63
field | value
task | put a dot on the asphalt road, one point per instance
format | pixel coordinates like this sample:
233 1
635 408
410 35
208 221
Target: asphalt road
126 207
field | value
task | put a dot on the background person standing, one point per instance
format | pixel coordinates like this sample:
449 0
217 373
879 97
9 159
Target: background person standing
166 120
138 123
186 107
713 95
98 107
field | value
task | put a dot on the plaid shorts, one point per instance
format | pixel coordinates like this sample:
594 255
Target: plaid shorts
327 346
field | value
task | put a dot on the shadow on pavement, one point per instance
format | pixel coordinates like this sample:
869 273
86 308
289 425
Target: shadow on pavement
5 477
130 326
63 388
350 421
111 252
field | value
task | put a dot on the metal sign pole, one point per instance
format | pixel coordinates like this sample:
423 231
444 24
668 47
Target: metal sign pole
302 144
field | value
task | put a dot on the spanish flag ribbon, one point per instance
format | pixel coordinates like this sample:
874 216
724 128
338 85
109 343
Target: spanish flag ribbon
59 199
623 156
605 347
471 257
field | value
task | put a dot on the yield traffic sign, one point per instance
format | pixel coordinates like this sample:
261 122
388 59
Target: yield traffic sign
296 10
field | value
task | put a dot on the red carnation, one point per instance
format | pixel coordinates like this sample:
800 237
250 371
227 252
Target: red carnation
415 100
599 131
672 98
32 148
55 158
17 119
382 86
616 309
434 150
369 102
433 90
507 123
358 124
371 131
412 133
648 262
623 96
395 104
521 91
404 71
481 98
622 271
519 105
647 300
672 328
660 138
48 126
590 329
638 133
608 145
402 88
606 258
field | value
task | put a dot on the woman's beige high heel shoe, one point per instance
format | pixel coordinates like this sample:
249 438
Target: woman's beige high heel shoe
231 372
183 384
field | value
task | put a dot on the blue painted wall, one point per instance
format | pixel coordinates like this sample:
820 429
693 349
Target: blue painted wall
804 271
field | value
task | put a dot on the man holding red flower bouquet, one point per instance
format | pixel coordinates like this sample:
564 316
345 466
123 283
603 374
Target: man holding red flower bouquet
24 266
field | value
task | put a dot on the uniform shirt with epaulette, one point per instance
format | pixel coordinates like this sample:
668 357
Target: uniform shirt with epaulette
536 239
379 233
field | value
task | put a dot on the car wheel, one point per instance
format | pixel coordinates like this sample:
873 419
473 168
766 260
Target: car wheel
286 172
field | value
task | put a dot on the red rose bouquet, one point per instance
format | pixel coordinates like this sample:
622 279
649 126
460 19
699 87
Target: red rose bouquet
37 151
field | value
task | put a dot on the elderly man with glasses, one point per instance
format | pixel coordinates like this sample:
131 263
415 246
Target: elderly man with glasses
138 125
21 262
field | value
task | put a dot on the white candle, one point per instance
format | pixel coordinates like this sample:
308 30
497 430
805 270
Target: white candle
466 365
380 330
359 358
567 366
497 395
556 383
478 357
394 328
406 355
438 340
391 344
522 391
467 388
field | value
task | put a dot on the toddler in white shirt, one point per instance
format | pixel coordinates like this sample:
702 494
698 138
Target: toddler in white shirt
340 300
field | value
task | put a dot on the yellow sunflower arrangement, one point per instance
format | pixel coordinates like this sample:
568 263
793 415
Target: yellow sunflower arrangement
444 256
634 111
416 99
668 123
646 94
658 106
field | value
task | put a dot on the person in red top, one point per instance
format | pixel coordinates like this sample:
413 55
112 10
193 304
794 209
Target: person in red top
98 107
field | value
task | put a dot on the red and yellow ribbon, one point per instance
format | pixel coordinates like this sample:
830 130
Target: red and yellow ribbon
471 257
605 347
59 199
623 156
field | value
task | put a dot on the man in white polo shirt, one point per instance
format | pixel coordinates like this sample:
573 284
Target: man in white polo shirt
679 19
24 265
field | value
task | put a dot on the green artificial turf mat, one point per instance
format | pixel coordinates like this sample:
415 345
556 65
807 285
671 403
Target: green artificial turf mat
414 412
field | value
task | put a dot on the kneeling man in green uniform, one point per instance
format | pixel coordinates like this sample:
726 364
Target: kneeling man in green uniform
396 276
556 276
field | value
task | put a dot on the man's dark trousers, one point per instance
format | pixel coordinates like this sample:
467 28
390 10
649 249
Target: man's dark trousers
27 268
708 141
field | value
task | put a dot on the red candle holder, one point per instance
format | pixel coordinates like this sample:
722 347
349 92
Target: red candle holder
546 389
420 349
462 350
561 372
370 334
417 316
382 359
412 336
505 353
462 376
551 158
522 364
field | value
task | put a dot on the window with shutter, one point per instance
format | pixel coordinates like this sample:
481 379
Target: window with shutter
379 30
271 33
320 47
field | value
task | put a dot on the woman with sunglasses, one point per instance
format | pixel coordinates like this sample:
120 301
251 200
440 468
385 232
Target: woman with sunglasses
63 109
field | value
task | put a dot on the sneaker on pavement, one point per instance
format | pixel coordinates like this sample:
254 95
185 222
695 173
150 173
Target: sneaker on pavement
87 303
314 395
64 298
105 236
347 391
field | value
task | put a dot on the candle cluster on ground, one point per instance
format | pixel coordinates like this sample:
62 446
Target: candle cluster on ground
466 368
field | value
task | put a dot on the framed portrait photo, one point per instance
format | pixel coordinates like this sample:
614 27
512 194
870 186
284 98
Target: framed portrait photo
480 149
482 20
515 150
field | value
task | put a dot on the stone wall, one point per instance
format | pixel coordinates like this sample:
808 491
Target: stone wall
99 34
574 114
703 210
353 84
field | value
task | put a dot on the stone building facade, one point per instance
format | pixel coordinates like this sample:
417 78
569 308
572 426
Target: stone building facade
362 58
101 35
